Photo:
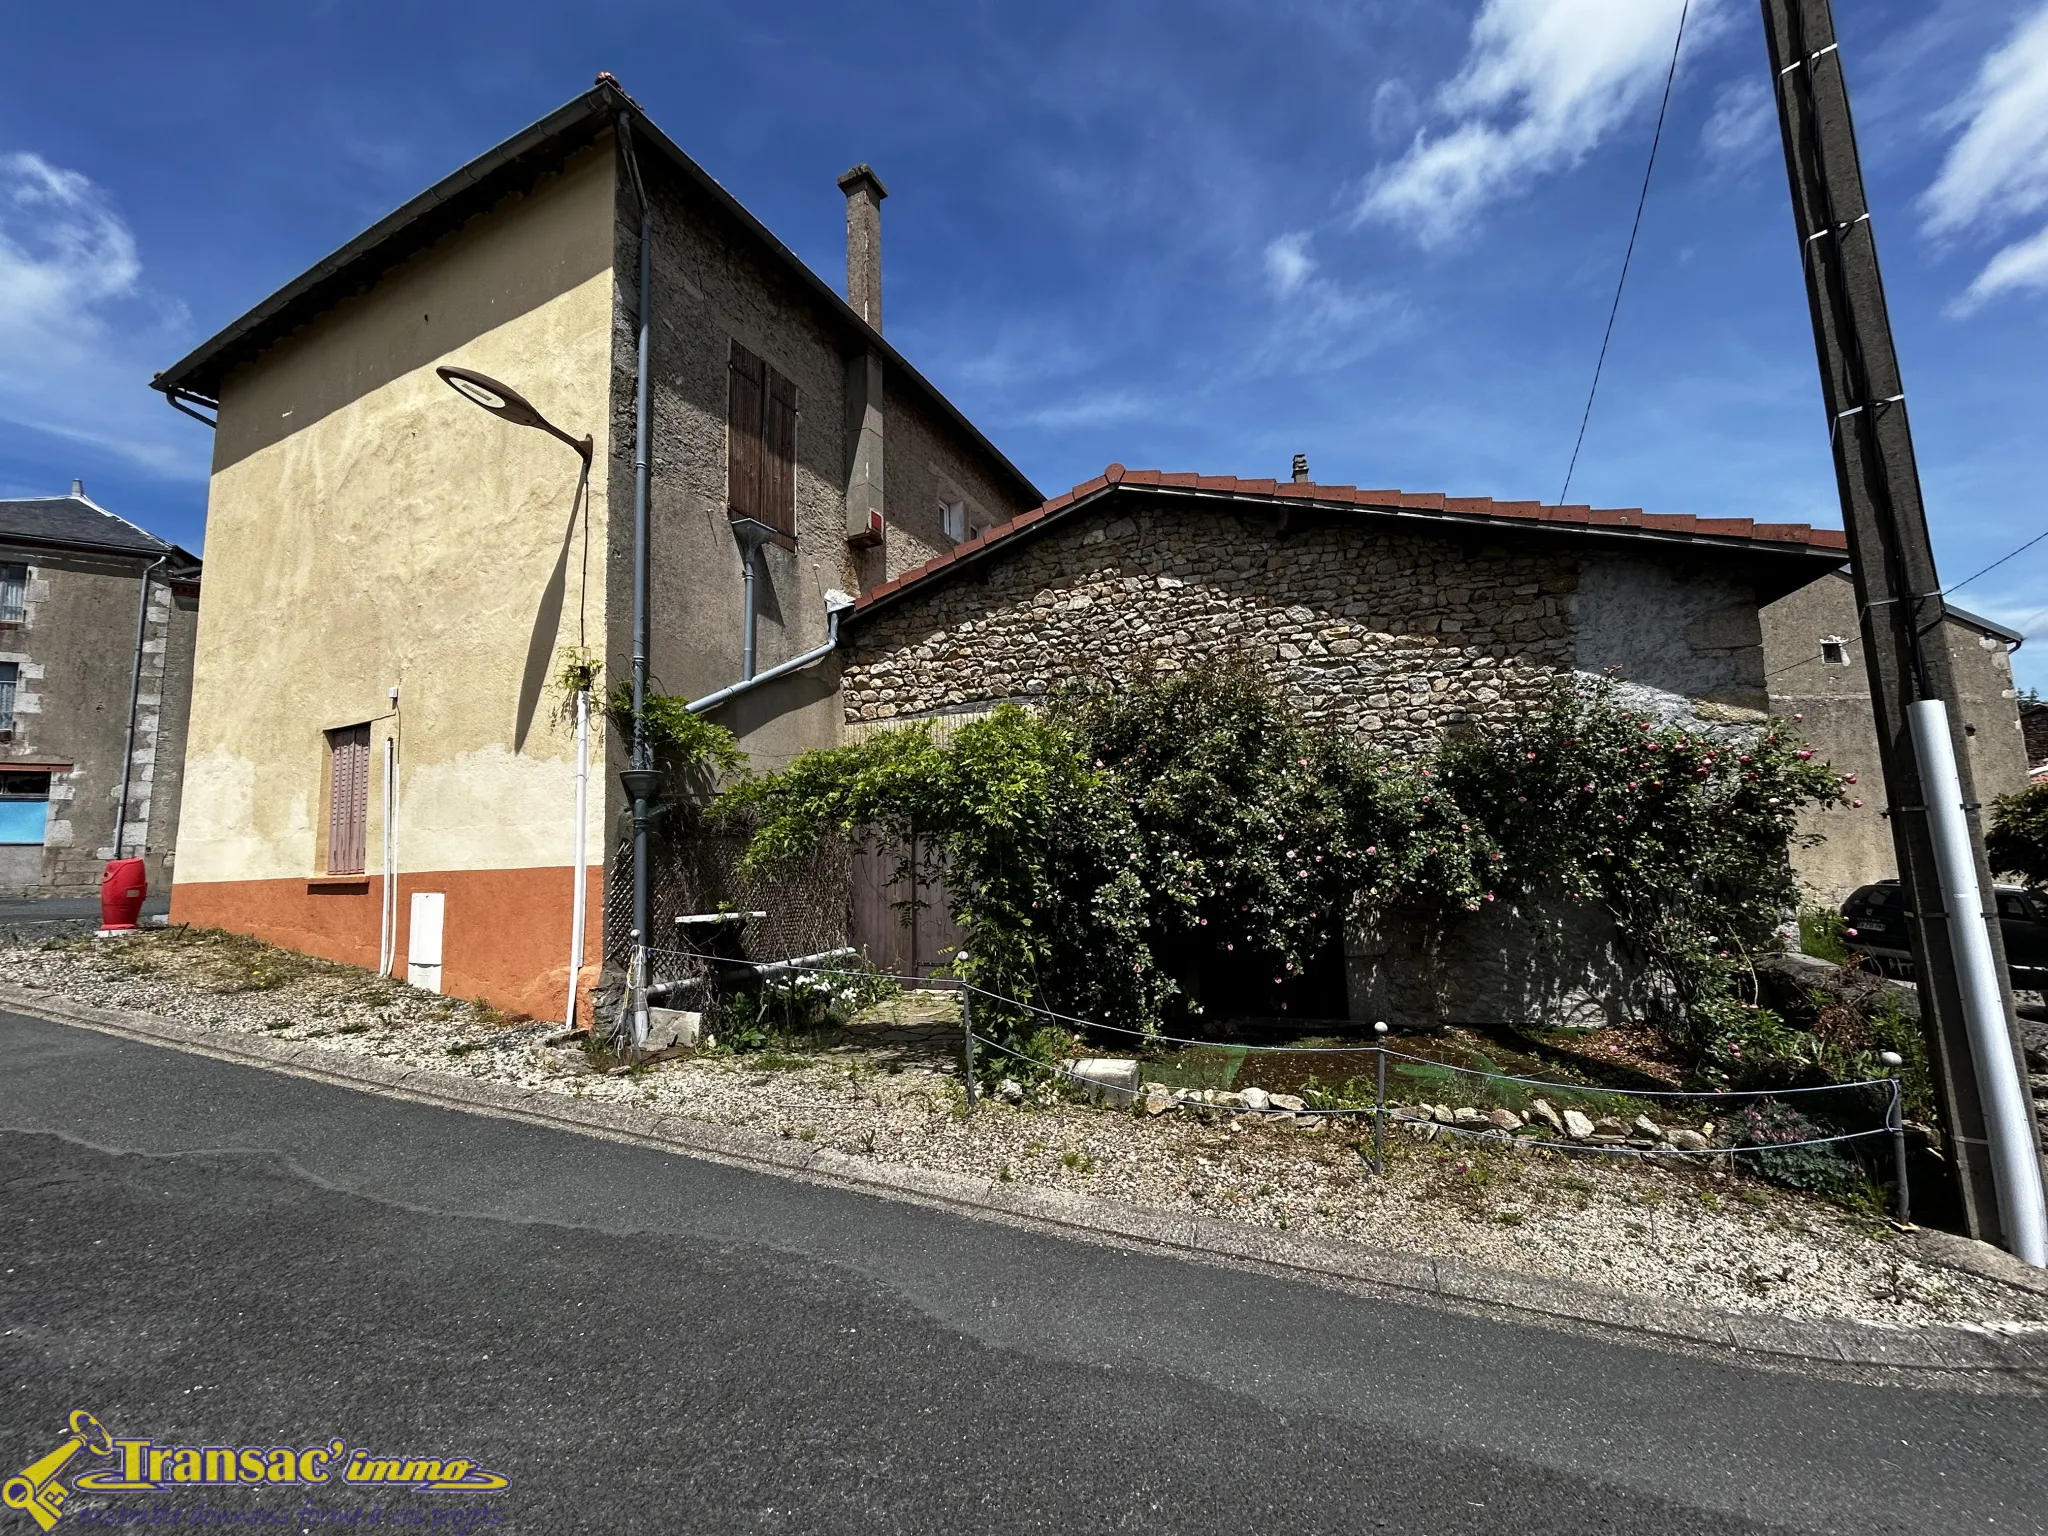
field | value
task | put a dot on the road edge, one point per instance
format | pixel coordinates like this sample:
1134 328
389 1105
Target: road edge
1891 1352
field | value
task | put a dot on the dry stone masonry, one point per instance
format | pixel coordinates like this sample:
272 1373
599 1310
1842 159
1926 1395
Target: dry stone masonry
1380 633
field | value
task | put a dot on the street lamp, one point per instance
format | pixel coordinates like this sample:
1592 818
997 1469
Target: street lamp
507 404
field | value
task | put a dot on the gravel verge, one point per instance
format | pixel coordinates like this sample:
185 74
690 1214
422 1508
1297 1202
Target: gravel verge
889 1094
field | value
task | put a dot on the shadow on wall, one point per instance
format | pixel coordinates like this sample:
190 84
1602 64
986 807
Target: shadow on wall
547 618
1545 961
786 716
1686 636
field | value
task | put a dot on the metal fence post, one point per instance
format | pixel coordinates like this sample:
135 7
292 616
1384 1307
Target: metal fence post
1379 1102
1895 1117
967 1030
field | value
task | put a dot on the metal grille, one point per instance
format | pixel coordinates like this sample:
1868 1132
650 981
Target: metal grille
13 593
10 673
809 903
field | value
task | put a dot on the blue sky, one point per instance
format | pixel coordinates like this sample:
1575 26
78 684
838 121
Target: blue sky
1199 235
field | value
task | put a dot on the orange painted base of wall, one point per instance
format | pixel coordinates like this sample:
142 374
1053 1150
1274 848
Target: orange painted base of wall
505 934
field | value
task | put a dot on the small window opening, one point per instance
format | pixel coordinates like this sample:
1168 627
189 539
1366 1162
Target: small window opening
13 593
953 520
1834 652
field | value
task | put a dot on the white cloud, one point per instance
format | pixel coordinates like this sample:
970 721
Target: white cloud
1321 324
1288 263
1744 119
79 334
1097 409
1543 82
2023 264
1996 172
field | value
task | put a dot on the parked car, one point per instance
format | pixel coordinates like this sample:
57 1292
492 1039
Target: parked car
1875 917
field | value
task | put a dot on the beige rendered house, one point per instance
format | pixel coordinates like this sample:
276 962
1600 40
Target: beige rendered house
395 576
1813 649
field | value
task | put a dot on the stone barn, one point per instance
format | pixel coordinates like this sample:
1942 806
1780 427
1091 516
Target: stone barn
1390 615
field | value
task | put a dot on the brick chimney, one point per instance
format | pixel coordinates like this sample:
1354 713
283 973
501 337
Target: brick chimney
864 193
1300 468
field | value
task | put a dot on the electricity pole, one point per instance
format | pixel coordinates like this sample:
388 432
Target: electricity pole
1965 995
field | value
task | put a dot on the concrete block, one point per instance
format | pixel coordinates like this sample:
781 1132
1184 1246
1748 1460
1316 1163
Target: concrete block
667 1027
1106 1079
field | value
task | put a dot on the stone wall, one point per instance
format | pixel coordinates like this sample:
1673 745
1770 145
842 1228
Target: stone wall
714 285
75 646
1391 633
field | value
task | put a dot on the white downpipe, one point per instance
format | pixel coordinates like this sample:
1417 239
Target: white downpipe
387 950
2008 1119
582 859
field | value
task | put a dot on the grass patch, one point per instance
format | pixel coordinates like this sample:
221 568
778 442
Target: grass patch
1823 934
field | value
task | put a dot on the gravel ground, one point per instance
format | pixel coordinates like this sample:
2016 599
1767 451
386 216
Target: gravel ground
888 1091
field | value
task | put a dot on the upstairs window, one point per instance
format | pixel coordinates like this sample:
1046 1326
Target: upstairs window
953 520
13 593
348 799
1834 652
761 444
10 675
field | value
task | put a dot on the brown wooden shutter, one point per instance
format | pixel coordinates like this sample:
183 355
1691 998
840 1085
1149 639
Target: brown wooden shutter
779 440
744 458
348 799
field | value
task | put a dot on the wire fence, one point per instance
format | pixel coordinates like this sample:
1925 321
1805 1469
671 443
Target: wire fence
1751 1123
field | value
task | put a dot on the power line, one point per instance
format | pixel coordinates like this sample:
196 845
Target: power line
1994 565
1635 228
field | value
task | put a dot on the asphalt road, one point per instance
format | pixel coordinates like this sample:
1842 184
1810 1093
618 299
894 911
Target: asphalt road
211 1254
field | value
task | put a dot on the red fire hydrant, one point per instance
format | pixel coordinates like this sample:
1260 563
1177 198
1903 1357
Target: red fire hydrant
122 889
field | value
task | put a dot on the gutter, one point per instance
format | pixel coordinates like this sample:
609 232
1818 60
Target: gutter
999 541
35 541
836 603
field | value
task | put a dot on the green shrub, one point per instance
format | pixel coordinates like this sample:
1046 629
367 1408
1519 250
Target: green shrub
2018 840
1779 1129
1104 851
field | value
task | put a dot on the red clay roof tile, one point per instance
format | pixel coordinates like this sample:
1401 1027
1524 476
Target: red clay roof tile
1794 534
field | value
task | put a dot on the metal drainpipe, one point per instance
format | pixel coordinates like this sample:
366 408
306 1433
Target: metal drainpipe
642 752
134 698
747 574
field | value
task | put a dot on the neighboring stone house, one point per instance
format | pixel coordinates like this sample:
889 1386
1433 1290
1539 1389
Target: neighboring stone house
1391 616
2034 727
1813 653
76 583
397 574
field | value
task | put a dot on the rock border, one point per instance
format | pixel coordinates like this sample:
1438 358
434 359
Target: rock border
1974 1357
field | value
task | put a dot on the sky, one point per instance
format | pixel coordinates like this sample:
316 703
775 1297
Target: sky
1205 234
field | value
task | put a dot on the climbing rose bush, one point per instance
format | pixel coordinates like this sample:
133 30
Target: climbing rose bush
1137 833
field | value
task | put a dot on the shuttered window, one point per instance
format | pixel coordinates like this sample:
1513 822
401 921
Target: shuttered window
13 593
761 443
348 799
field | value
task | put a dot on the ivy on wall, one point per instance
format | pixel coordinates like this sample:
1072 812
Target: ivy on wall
1103 850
